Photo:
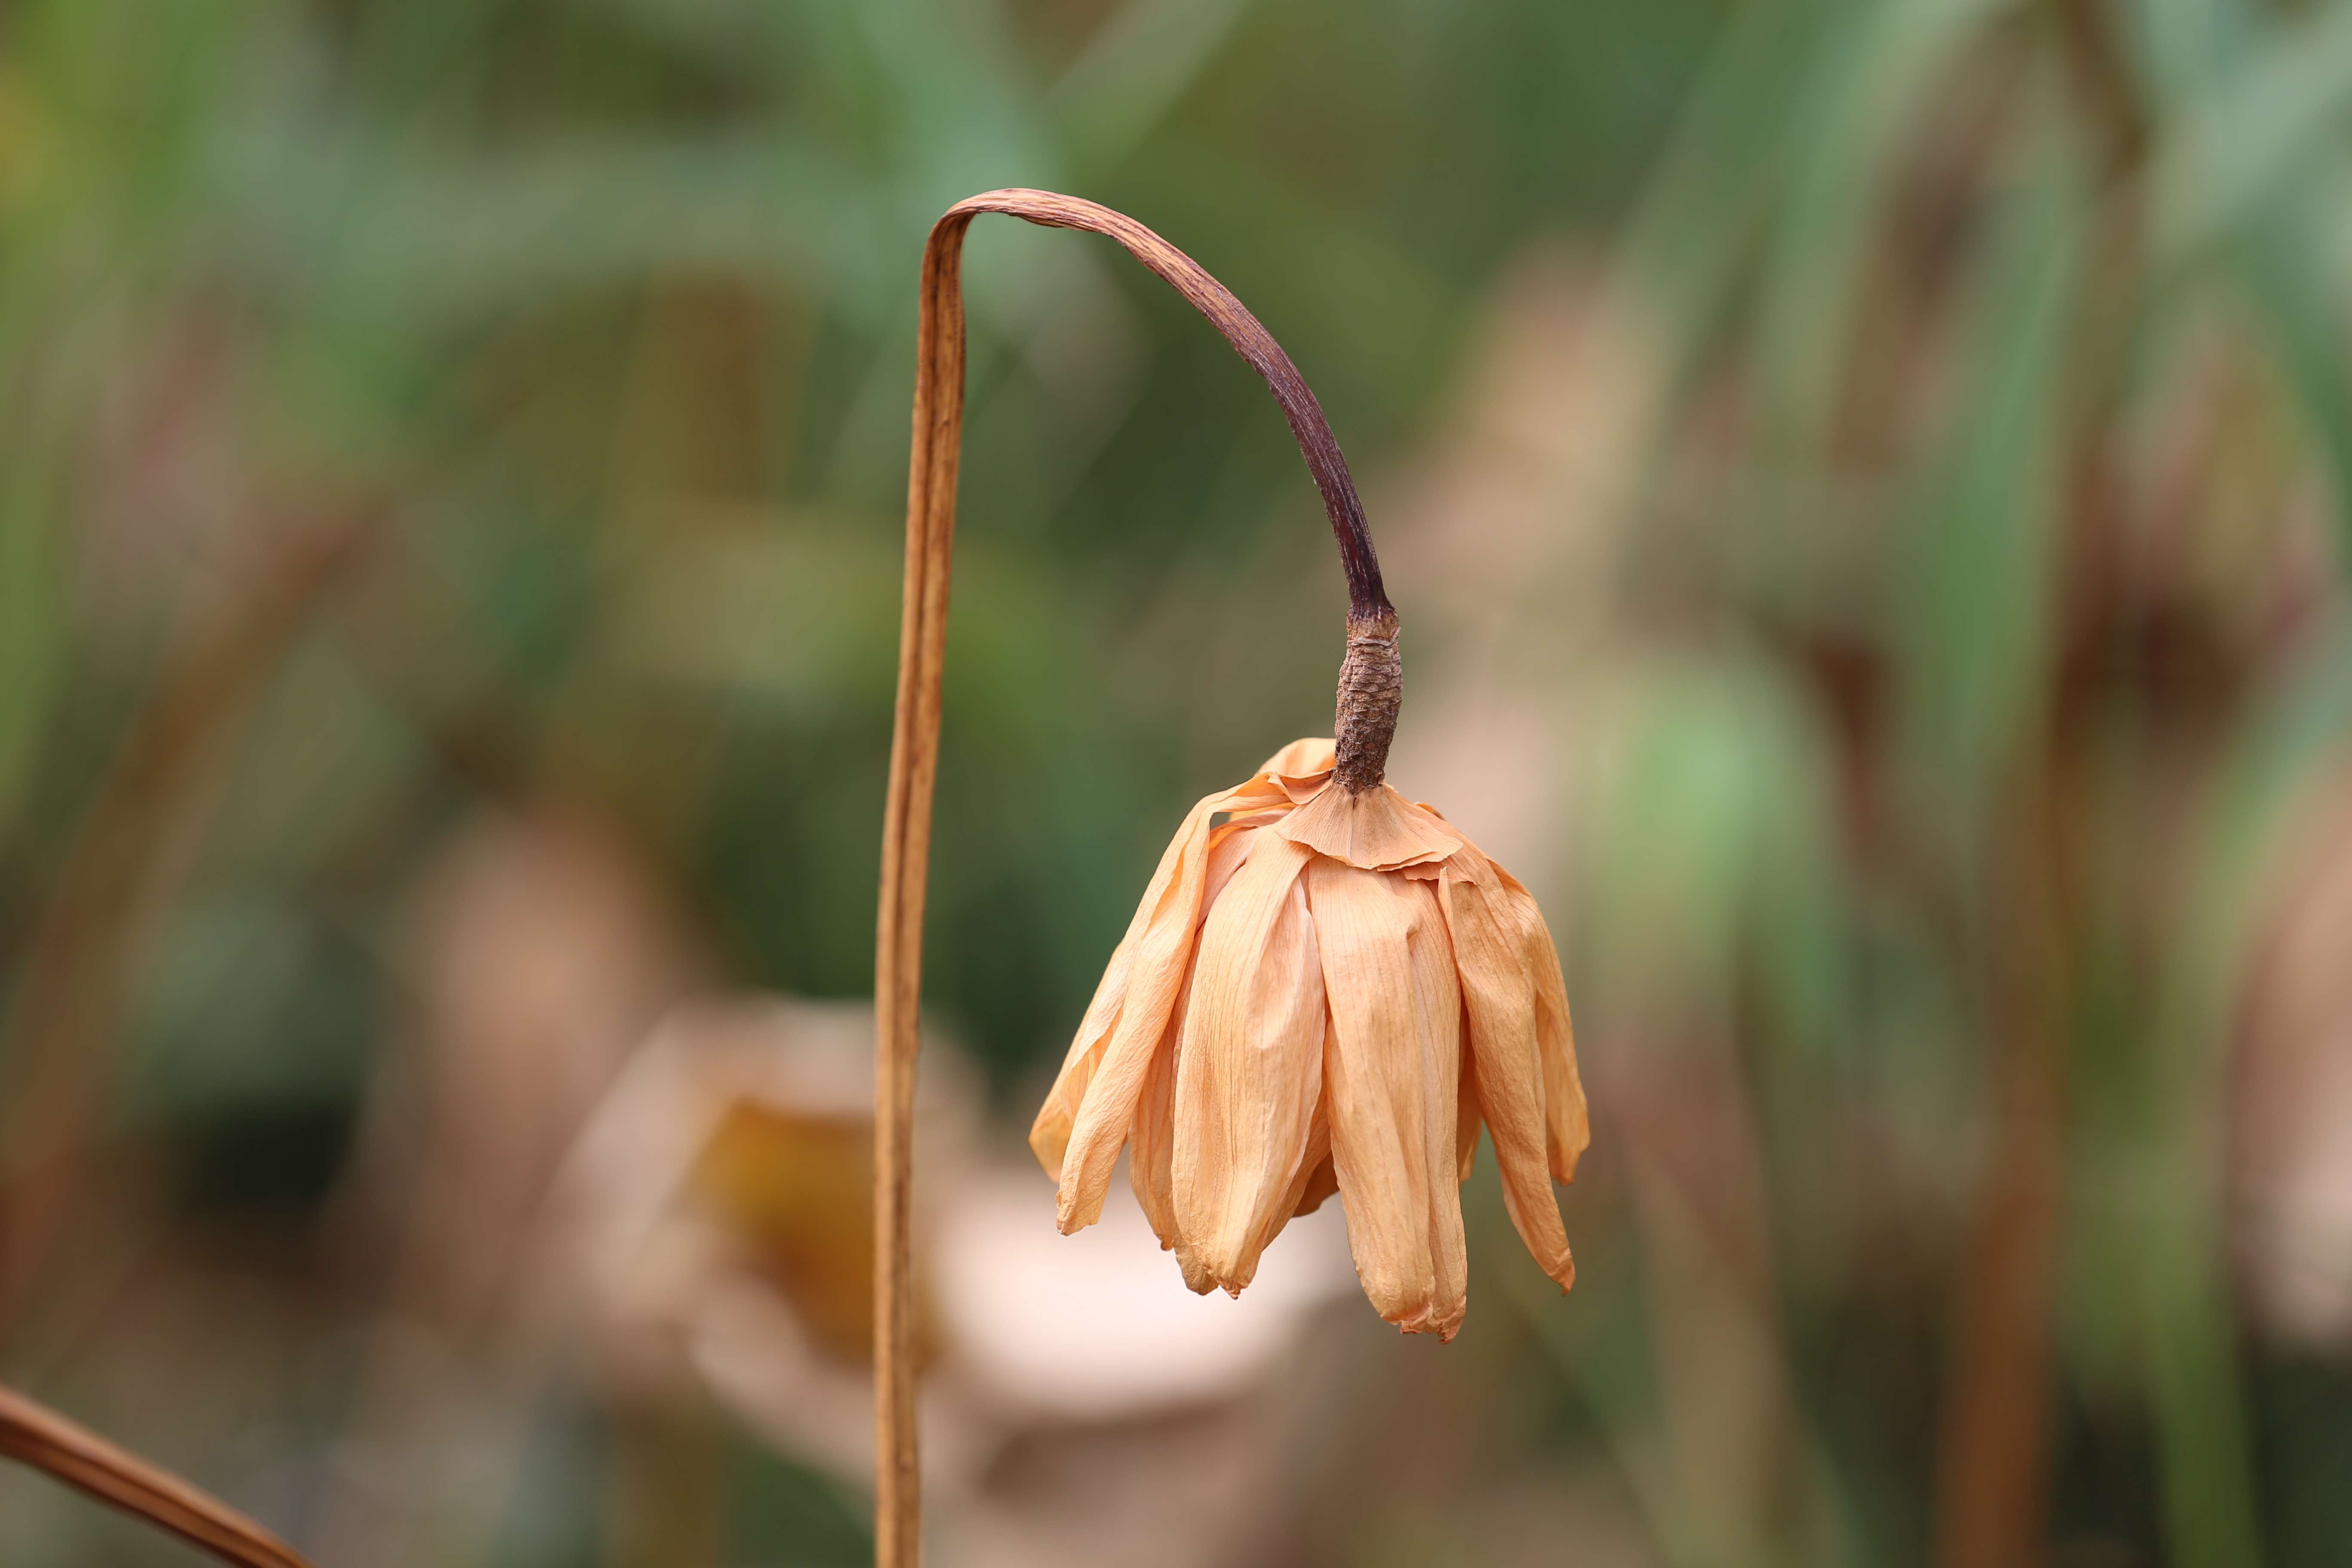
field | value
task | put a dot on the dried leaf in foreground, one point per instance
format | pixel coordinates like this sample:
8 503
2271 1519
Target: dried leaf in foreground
1324 989
48 1441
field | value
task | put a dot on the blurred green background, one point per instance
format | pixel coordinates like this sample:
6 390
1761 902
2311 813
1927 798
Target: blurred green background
1866 483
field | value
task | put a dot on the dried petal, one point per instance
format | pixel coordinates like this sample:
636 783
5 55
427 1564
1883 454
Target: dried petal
1373 830
1249 1075
1504 1054
1393 1070
1150 1162
1316 1179
1321 1183
1302 761
1466 1118
1083 1149
1049 1135
1567 1127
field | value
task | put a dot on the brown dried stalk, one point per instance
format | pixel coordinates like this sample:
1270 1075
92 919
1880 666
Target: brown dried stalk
41 1437
1371 684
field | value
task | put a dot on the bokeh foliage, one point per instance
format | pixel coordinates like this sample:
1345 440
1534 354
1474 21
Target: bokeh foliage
417 408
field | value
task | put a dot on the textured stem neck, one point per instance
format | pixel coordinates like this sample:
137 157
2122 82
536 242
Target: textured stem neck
1370 682
1371 689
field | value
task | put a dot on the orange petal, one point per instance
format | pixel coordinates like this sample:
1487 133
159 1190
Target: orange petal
1049 1135
1376 830
1103 1075
1568 1128
1321 1183
1302 765
1466 1115
1251 1068
1393 1071
1317 1179
1506 1055
1150 1166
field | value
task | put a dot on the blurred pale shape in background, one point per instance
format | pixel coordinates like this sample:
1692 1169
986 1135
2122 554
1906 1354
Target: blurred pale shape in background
1085 1328
719 1203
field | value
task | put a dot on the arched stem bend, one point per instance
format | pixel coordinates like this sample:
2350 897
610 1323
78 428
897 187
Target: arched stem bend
1371 684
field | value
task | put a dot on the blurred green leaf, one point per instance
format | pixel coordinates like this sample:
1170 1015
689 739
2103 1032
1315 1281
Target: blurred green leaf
2270 117
2277 260
1870 83
1718 845
1978 567
1138 64
1686 246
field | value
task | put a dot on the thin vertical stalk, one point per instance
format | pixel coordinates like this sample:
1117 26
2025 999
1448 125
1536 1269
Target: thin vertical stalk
1370 681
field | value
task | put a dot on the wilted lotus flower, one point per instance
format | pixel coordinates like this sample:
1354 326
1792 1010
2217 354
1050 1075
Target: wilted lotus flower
1325 989
1288 1014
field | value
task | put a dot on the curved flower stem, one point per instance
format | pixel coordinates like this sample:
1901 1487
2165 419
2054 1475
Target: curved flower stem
41 1437
1371 680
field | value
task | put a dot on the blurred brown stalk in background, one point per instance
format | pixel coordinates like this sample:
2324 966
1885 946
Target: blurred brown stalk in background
58 1047
1993 1483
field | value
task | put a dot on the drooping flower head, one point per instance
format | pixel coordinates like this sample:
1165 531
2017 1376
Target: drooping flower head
1325 989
